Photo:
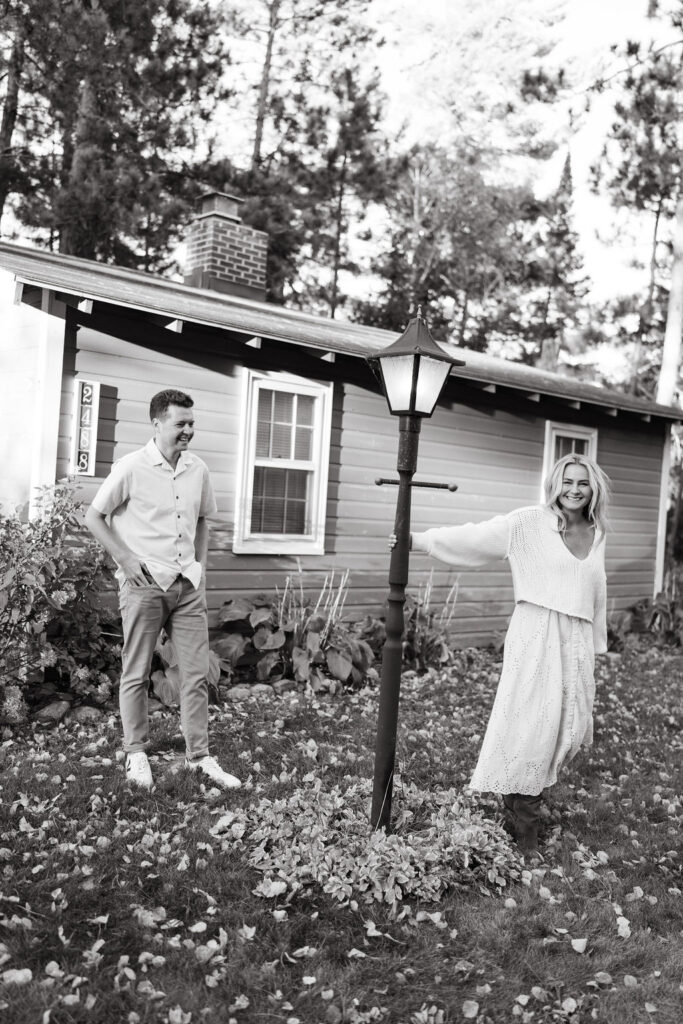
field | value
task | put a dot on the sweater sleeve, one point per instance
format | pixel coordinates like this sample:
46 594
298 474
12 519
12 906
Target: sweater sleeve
468 546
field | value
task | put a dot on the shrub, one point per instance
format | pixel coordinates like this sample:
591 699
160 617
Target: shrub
319 838
294 636
51 618
662 618
425 635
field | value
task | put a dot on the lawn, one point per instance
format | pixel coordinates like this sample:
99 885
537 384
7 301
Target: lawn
274 903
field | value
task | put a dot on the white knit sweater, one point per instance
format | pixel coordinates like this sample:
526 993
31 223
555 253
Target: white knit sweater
544 571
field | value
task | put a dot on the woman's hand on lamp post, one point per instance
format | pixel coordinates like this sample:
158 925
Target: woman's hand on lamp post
393 540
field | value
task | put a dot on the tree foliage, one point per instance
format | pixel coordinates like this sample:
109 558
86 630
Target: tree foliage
110 97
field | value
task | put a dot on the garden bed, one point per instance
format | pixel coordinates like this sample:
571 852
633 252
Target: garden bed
273 903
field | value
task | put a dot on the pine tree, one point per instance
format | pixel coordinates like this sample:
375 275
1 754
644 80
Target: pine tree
309 134
109 120
452 245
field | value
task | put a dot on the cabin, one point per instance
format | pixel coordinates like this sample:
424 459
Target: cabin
295 430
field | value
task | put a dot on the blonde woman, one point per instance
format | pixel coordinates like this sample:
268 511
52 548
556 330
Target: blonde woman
543 710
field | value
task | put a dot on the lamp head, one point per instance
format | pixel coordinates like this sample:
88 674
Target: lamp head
413 370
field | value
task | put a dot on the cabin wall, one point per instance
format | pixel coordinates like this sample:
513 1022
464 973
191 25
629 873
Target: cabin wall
494 455
19 340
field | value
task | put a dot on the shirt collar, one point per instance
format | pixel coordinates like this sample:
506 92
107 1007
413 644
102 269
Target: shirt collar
157 459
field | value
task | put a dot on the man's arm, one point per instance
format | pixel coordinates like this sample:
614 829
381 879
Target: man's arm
201 543
122 555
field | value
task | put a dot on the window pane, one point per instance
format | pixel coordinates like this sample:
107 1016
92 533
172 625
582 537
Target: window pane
280 500
281 441
565 445
303 444
283 419
264 418
304 410
283 407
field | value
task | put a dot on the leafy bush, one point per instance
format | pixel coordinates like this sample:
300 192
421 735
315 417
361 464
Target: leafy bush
425 635
662 618
166 678
51 619
319 838
292 636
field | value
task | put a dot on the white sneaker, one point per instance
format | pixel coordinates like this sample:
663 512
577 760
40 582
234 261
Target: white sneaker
210 767
138 770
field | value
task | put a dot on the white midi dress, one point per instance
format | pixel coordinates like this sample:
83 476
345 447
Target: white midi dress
543 709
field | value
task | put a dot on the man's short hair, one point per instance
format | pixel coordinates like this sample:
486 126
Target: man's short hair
161 401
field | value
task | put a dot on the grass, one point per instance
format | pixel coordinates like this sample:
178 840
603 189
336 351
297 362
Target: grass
129 906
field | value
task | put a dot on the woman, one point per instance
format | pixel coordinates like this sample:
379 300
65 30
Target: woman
543 711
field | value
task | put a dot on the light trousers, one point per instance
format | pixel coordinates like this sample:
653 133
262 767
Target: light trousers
181 611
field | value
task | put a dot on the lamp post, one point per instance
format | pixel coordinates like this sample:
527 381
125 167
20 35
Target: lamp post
413 371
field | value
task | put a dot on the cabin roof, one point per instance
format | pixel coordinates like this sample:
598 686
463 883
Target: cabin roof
75 280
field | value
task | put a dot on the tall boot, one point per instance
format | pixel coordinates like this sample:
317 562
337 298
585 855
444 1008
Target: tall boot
511 823
527 810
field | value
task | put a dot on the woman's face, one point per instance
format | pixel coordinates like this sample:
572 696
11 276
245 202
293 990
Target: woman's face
576 490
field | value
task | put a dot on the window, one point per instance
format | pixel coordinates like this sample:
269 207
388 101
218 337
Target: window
282 478
565 438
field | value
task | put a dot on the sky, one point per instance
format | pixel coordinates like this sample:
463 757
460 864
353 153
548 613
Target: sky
426 55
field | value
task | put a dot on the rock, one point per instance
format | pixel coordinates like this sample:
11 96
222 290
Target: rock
284 686
85 713
320 685
154 706
261 690
241 692
53 713
238 692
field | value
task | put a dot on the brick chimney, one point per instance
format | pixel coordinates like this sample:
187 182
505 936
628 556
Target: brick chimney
223 253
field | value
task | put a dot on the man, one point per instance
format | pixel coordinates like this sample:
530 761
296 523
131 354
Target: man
150 516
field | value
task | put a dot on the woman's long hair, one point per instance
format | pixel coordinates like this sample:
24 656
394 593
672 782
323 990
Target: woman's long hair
596 511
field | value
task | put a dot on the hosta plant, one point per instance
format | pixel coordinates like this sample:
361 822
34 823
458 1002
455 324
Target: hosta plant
293 635
319 838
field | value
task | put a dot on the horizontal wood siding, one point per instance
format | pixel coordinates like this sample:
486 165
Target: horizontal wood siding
495 457
633 460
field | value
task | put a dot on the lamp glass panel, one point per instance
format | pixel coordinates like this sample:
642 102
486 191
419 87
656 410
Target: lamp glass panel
397 372
430 380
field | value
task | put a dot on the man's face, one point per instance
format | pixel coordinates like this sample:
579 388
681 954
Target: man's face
174 430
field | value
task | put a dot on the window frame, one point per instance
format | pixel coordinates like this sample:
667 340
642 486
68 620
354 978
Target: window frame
313 543
554 429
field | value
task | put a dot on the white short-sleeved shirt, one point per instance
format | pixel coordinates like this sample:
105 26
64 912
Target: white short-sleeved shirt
154 510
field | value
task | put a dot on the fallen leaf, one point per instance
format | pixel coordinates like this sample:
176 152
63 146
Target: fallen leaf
579 945
470 1009
17 976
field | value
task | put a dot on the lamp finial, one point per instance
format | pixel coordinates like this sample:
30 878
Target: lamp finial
419 313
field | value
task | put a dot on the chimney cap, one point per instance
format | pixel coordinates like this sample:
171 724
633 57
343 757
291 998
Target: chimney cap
221 203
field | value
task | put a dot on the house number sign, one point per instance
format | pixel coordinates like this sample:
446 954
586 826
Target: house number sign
85 432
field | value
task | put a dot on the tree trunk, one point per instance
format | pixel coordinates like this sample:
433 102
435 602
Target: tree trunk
646 311
463 319
336 256
671 353
264 84
9 115
71 233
